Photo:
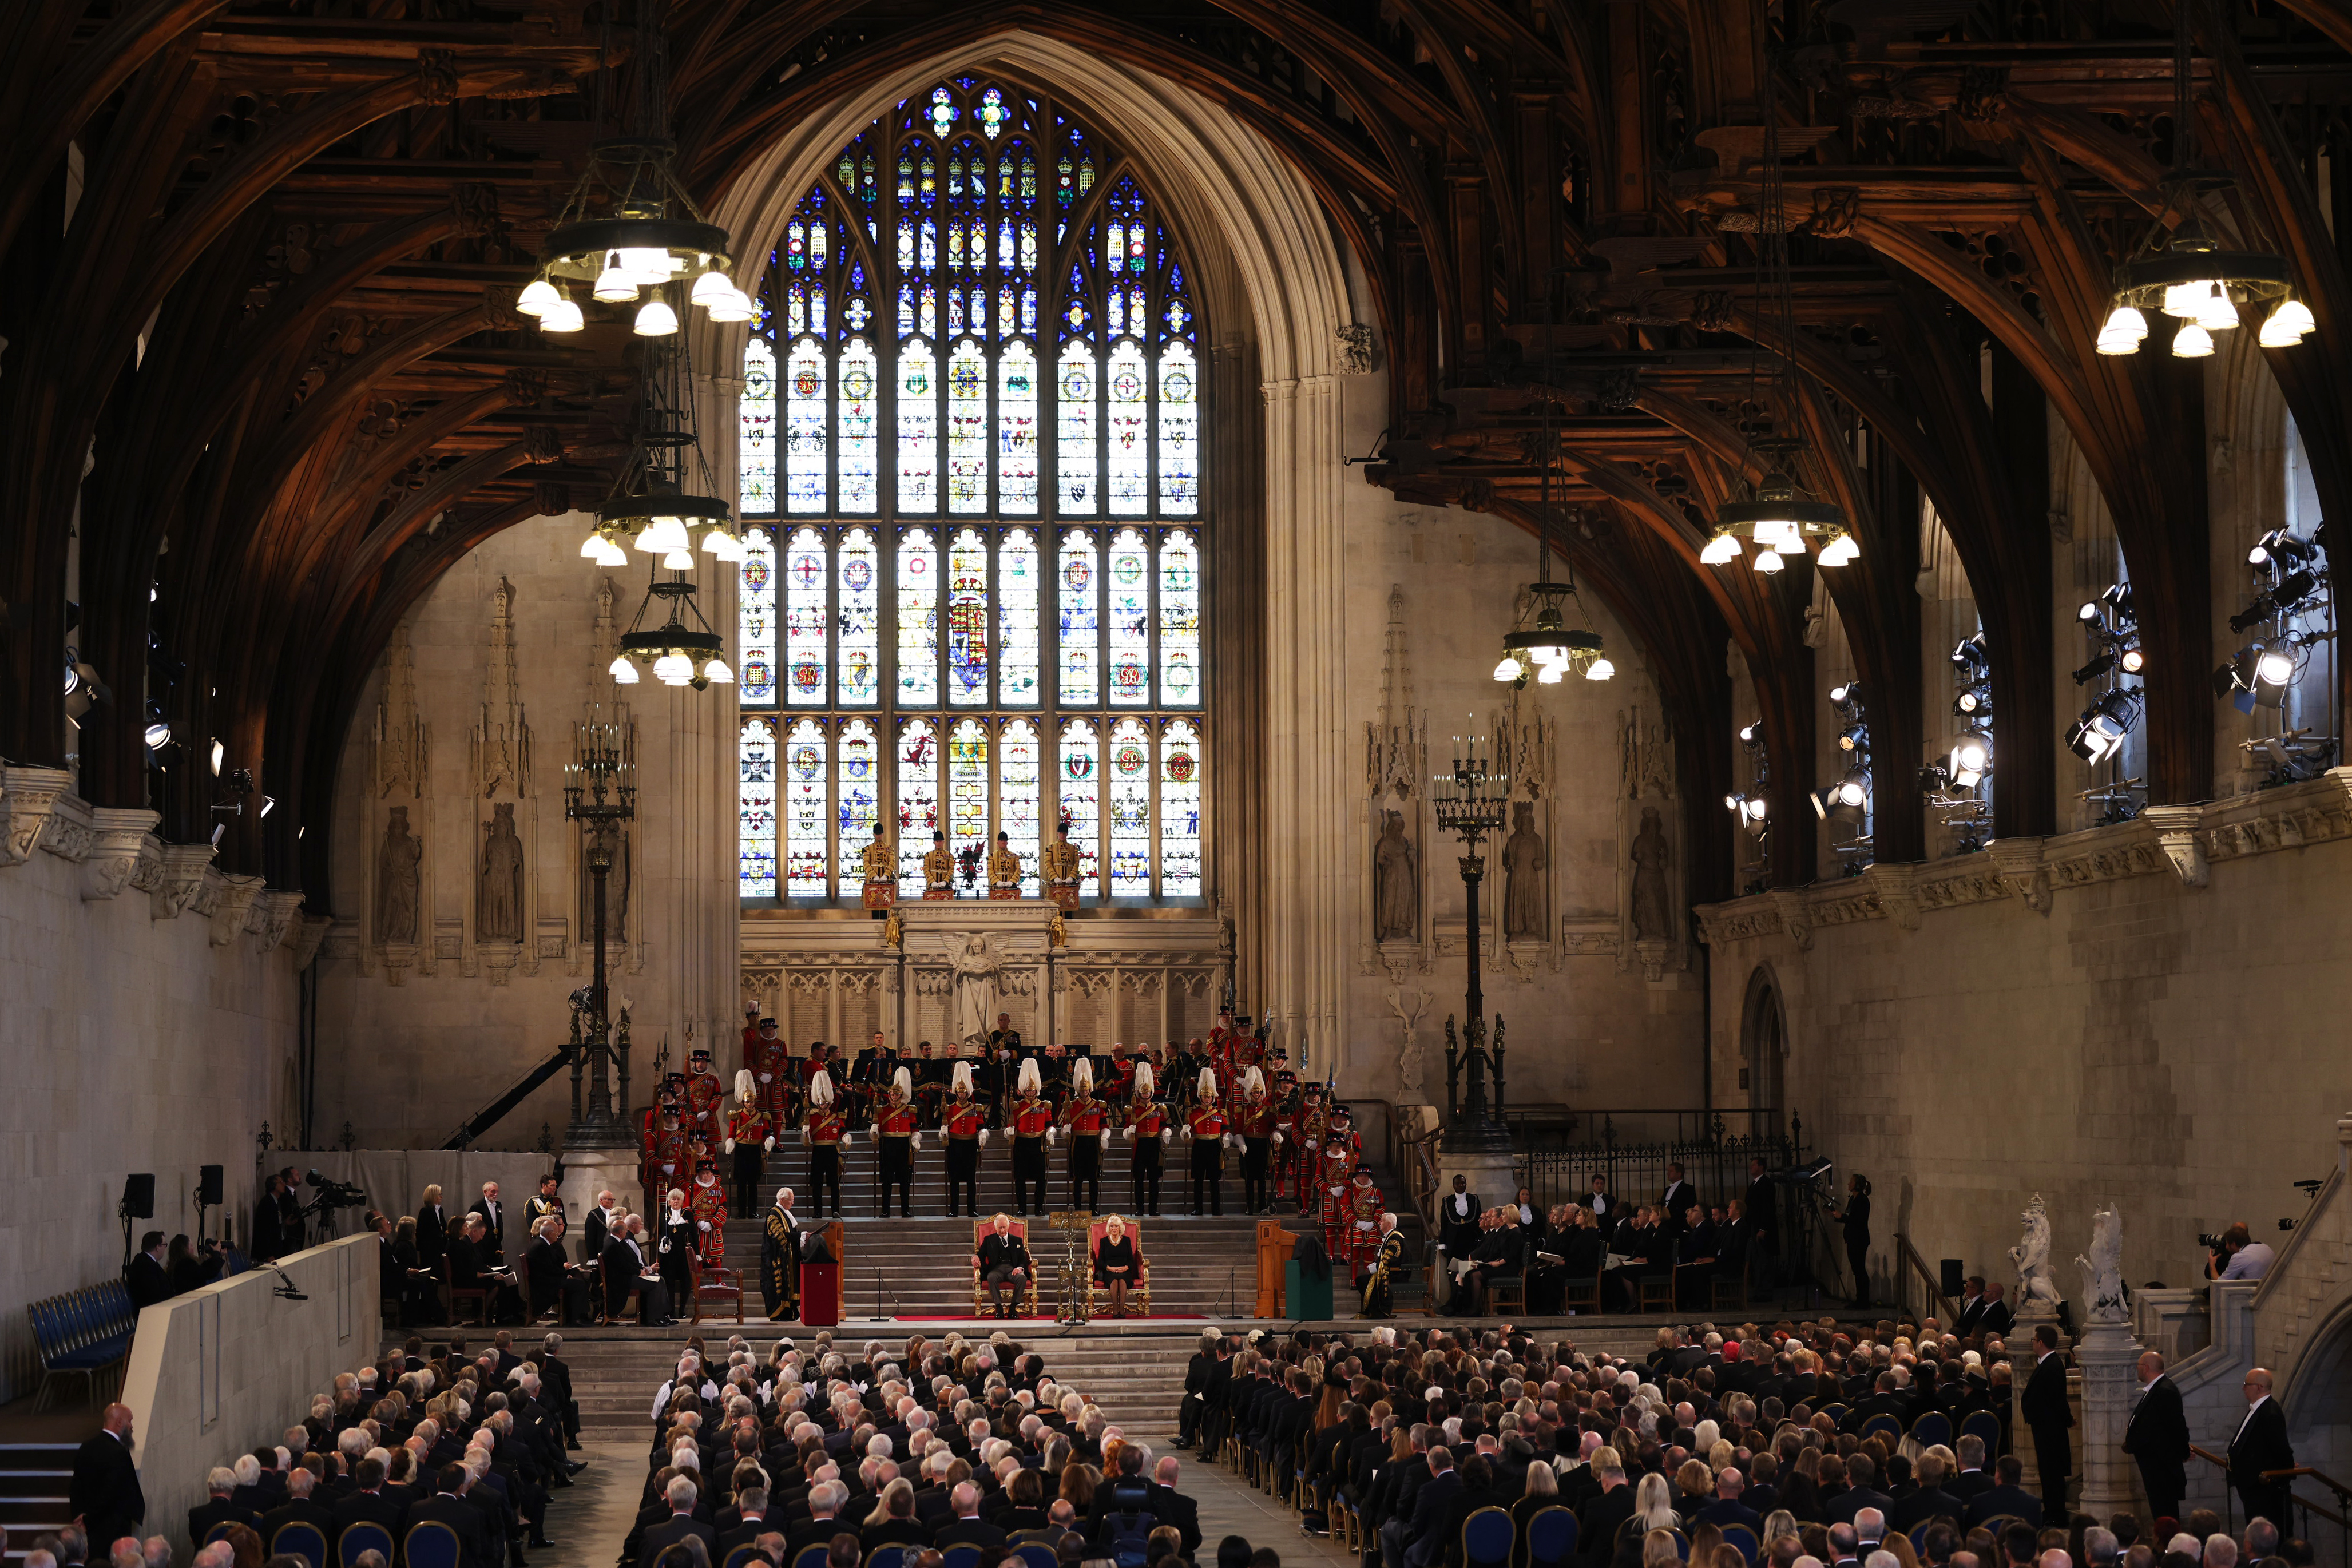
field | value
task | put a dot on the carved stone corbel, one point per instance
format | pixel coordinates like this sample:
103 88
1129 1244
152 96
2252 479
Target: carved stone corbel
272 917
2023 871
183 874
1897 886
1796 918
28 798
2176 835
71 835
120 838
303 940
232 904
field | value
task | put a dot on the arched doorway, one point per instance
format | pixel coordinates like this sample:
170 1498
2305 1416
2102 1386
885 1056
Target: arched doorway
1763 1054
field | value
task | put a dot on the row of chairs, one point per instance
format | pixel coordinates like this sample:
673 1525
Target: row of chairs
1655 1292
721 1284
84 1334
428 1544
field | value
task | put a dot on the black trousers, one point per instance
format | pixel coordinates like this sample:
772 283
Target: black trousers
896 1169
2165 1484
1028 1169
963 1174
1857 1258
1085 1170
1209 1174
1145 1173
750 1162
2053 1458
824 1171
1257 1157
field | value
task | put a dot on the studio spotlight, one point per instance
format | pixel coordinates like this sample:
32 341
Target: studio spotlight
2294 589
1972 760
2279 548
159 728
2098 666
1971 653
1972 704
1934 780
1853 737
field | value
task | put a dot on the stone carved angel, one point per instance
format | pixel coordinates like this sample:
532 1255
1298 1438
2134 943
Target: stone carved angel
2032 1256
2103 1269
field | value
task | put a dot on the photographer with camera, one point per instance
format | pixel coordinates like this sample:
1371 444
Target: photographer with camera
327 1195
2236 1255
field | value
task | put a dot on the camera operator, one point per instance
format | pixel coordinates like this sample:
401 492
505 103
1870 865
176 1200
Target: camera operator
327 1195
2236 1255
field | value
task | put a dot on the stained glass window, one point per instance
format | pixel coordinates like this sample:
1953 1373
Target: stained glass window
1017 587
1179 810
1180 620
968 627
806 643
1080 636
976 325
1080 783
756 414
804 814
755 609
1018 782
1130 766
755 824
917 766
918 626
860 616
858 795
1130 618
968 788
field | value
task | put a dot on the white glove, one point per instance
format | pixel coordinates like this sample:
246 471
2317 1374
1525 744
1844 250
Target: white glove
702 1225
918 1141
1106 1137
771 1145
1277 1139
1313 1144
765 1077
1337 1191
1166 1134
1126 1132
729 1145
983 1137
1232 1140
1053 1134
844 1140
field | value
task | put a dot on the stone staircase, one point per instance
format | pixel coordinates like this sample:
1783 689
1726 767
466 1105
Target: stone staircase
34 1477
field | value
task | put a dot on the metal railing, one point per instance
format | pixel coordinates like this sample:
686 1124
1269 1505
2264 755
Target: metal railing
1908 1266
1714 1158
1560 1126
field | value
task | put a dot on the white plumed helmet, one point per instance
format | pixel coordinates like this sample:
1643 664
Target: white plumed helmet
1028 1081
1082 1075
961 1079
1206 1089
1144 1081
820 1088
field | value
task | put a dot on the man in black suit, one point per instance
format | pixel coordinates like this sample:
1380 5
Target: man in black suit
628 1269
1886 1401
682 1494
1676 1203
1929 1501
104 1496
966 1527
1410 1542
1972 1482
1972 1306
676 1231
1997 1318
2260 1444
1597 1525
750 1511
2052 1419
1727 1508
447 1505
1457 1225
366 1504
148 1280
600 1224
299 1508
1861 1493
1174 1507
474 1266
2005 1496
494 1220
824 1501
1199 1373
2158 1438
220 1507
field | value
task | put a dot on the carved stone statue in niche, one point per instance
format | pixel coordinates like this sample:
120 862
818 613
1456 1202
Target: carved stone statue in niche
1524 862
1652 855
397 875
498 906
1396 901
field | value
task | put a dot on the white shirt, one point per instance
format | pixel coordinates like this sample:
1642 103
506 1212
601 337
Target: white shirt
2250 1415
2253 1261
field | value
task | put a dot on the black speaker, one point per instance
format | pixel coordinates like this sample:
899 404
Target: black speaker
139 1196
1954 1284
208 1187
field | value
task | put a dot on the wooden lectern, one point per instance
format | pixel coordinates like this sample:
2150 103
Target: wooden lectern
1274 1246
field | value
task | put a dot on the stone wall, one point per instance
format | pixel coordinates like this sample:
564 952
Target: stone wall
466 724
2150 1013
147 1014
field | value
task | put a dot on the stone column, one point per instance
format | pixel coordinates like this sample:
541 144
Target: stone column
2107 1354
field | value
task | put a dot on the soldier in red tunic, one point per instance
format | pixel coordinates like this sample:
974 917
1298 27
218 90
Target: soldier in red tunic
1083 1117
1147 1123
769 1061
751 1133
1314 1121
964 1123
1206 1125
707 1201
1254 1119
826 1131
666 1151
1031 1121
1223 1032
897 1139
1363 1222
1284 1099
1339 1169
706 1097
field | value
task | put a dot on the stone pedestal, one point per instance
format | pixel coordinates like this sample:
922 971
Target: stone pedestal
1489 1171
2106 1354
586 1172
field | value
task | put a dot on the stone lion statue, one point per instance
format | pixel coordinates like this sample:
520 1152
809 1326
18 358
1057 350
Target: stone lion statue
2032 1256
2103 1269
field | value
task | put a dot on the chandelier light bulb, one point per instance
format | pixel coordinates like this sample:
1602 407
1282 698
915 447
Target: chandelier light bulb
678 560
2284 327
1506 668
2192 342
655 319
732 305
1768 561
716 671
1721 550
622 671
2186 300
2216 314
1551 675
563 316
646 264
1840 550
674 669
614 285
1601 669
610 554
711 289
663 536
536 296
2126 323
592 548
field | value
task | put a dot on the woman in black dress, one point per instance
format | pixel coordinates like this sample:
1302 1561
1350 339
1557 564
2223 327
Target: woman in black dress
1117 1265
1855 1219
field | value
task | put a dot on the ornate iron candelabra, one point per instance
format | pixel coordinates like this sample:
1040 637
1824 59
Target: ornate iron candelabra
600 792
1471 800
